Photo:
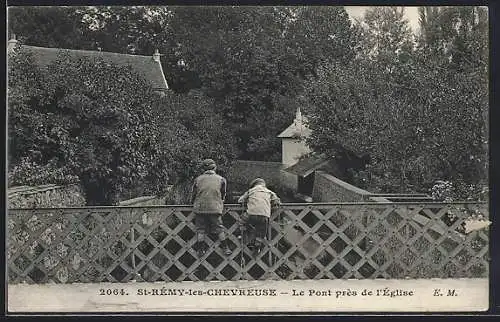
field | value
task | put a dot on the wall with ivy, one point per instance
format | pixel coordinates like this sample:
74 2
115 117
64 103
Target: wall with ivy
46 196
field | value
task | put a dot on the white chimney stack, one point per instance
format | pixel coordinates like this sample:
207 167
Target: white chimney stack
298 118
156 56
11 44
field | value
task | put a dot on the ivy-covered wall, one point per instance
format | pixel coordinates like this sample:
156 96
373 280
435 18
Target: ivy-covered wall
46 196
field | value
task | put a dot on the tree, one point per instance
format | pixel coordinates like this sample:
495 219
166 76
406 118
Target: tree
417 128
60 27
320 35
253 59
388 43
201 133
92 122
129 30
188 130
459 35
455 41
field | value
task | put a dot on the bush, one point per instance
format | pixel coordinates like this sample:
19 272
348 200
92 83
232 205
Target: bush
449 191
28 172
80 117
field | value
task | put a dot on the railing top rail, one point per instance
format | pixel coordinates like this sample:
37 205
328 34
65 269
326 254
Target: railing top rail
399 194
238 206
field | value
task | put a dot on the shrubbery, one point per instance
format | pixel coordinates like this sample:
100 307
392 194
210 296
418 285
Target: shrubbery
100 124
28 172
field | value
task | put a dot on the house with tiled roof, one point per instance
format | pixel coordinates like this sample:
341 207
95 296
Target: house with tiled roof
148 66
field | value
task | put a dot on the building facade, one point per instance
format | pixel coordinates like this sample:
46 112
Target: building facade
293 140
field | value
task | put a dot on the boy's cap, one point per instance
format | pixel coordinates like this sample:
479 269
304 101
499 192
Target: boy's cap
209 164
257 181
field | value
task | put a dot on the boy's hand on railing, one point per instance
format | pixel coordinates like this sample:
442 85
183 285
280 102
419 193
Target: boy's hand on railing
244 217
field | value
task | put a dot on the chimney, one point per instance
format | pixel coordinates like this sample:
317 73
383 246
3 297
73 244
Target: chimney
298 118
156 56
11 44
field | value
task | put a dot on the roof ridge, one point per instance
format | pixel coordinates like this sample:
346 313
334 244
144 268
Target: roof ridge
150 68
87 51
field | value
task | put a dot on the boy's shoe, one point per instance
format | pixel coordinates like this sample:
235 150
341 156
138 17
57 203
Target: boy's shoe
227 251
201 252
257 250
225 248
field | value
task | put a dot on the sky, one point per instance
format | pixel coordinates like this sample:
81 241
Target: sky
410 12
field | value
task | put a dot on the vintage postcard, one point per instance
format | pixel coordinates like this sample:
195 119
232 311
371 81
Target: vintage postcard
259 159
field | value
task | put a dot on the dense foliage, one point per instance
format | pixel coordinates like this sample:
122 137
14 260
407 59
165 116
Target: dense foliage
250 60
414 105
97 123
81 116
60 27
253 60
419 117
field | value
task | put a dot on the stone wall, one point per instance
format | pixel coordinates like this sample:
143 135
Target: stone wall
289 181
46 196
243 172
143 201
328 188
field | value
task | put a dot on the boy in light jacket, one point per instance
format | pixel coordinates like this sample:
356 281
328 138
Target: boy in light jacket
258 202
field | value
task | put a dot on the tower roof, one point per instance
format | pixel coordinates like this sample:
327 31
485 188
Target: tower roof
298 128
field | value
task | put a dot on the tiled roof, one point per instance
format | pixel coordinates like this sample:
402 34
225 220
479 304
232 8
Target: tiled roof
144 65
308 165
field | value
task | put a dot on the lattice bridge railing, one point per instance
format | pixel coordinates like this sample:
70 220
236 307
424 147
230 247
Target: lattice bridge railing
305 241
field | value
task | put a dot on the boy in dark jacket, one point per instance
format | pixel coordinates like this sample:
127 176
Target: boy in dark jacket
208 194
258 202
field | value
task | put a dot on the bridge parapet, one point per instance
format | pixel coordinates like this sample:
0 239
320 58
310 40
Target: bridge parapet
305 241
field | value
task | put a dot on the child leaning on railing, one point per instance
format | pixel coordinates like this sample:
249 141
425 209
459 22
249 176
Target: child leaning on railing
258 202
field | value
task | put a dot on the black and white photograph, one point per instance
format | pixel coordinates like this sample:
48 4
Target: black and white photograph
247 159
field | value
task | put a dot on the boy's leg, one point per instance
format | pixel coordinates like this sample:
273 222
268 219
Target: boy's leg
261 232
243 222
218 227
251 231
200 221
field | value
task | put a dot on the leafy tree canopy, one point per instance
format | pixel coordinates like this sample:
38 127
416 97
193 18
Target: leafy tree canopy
424 124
